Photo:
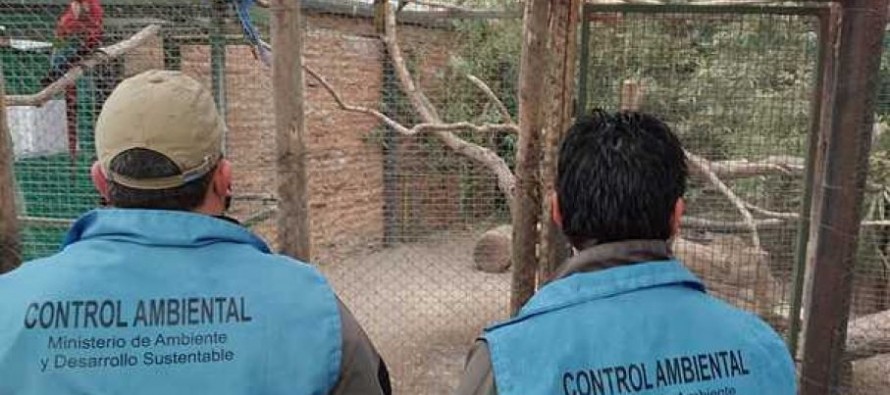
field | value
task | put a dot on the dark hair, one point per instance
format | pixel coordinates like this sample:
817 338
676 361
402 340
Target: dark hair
619 177
145 163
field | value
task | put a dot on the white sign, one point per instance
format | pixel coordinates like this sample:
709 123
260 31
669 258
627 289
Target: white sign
38 131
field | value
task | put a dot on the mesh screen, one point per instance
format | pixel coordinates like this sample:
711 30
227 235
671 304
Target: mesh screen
737 89
396 220
867 345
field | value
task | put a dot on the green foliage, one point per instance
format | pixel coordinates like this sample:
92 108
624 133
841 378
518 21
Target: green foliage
732 87
737 89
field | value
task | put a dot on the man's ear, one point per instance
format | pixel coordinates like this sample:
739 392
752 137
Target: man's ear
555 212
99 179
677 216
222 180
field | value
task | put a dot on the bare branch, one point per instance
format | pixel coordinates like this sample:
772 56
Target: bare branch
478 153
482 113
45 221
878 224
729 226
449 7
735 2
704 168
418 100
457 126
416 129
771 214
370 111
741 168
103 55
494 98
454 10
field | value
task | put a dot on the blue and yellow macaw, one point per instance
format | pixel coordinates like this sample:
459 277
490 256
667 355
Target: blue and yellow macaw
261 49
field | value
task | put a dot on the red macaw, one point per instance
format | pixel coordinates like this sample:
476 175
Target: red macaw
78 34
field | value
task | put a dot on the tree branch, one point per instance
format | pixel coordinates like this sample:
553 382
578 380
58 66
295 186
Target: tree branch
729 226
742 168
771 214
416 129
494 98
103 55
448 7
365 110
478 153
704 168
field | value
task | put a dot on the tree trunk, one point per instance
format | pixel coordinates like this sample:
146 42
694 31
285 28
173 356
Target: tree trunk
842 183
532 121
287 78
564 19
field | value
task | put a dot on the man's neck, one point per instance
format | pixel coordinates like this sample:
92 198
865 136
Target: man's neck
607 255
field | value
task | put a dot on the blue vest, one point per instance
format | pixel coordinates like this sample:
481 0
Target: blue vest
646 328
162 302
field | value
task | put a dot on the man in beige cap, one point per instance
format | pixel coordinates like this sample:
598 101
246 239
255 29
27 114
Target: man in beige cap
162 294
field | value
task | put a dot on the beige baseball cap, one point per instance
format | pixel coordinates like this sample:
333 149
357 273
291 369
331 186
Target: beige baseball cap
167 112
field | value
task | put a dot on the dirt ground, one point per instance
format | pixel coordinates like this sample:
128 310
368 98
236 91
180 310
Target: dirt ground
422 305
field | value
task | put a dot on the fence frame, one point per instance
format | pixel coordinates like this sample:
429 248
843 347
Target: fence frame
823 15
837 211
838 146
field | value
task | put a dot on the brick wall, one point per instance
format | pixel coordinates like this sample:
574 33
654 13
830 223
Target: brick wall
345 150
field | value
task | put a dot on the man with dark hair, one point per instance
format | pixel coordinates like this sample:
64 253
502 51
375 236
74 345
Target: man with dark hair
623 316
163 294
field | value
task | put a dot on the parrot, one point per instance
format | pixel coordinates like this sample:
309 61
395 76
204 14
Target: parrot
78 34
261 49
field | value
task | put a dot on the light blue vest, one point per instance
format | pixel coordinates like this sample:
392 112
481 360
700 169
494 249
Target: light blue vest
644 329
162 302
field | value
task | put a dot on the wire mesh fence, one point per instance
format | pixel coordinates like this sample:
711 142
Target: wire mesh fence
738 89
396 217
415 206
868 371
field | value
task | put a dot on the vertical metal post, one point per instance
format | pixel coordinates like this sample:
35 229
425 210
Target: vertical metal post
584 68
820 112
10 247
173 55
390 92
843 181
218 54
391 188
291 158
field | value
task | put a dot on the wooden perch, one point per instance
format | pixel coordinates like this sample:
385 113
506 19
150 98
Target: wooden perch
103 55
